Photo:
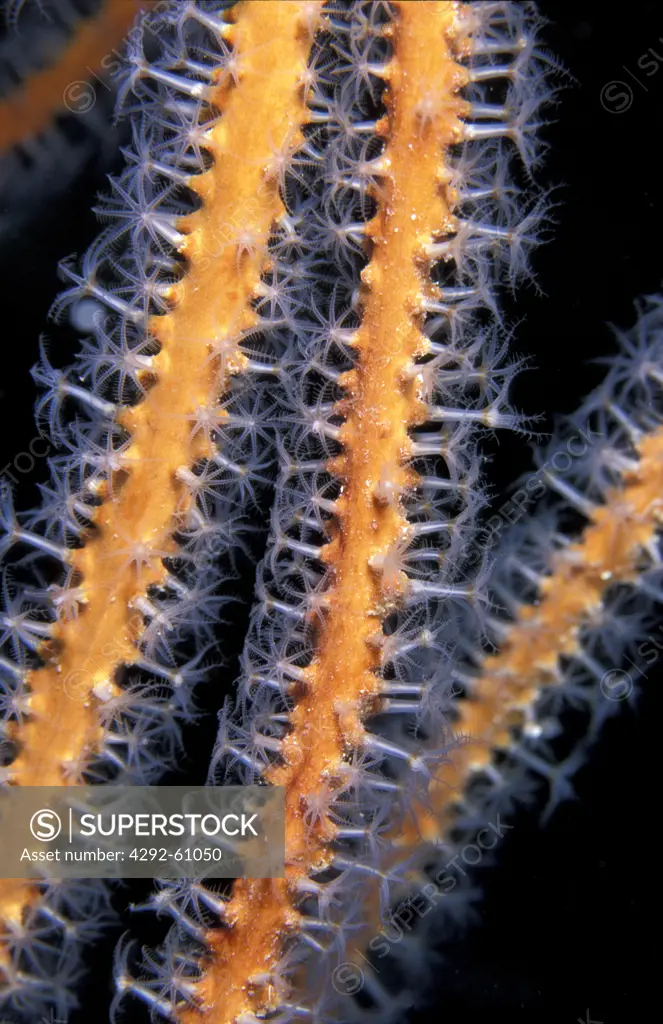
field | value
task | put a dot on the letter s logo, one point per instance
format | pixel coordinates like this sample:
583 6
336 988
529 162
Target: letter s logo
45 825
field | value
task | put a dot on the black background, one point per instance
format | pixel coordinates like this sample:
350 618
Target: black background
570 919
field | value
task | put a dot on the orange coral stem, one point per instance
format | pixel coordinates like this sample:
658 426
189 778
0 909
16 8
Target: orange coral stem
199 352
609 552
380 405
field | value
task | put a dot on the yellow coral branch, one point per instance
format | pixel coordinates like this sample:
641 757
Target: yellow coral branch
381 403
199 342
609 552
571 596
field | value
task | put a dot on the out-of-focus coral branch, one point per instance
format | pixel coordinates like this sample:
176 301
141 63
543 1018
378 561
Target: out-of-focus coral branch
59 73
29 108
574 603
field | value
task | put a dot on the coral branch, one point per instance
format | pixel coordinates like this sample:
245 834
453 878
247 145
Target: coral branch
571 620
198 352
162 478
341 685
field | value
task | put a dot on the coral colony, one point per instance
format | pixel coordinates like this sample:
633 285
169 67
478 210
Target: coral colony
294 316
